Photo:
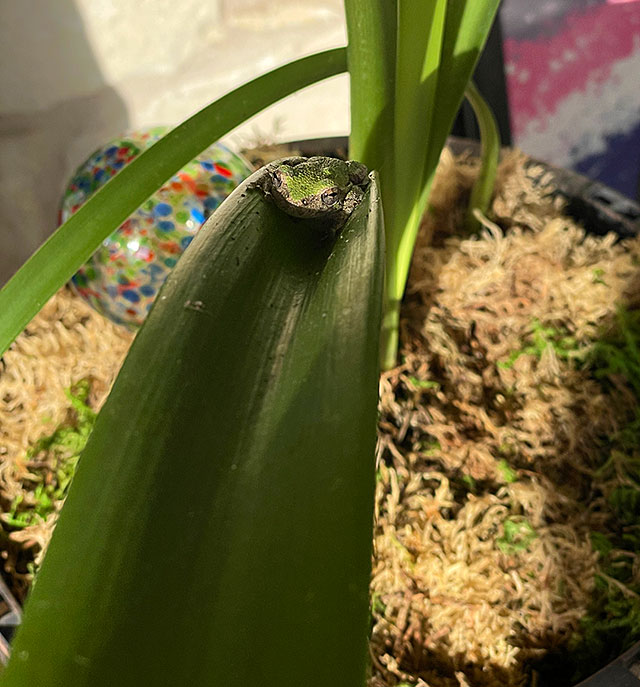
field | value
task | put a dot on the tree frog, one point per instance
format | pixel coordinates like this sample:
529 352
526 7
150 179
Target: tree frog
317 187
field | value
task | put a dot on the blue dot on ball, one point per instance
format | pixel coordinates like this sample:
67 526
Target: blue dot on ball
211 203
131 295
164 225
197 215
162 209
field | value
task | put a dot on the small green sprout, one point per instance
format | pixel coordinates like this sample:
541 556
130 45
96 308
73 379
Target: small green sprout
601 543
430 447
62 449
378 607
625 502
615 358
509 475
518 536
618 353
541 338
424 383
470 482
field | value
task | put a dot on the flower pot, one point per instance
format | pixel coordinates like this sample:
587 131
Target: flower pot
601 210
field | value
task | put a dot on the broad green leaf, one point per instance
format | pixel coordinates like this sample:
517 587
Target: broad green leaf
420 36
218 530
74 242
466 30
372 29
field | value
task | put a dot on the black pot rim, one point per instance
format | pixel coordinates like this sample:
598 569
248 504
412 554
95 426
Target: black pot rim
598 208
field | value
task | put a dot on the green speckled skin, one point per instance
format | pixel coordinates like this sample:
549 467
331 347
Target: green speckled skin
317 187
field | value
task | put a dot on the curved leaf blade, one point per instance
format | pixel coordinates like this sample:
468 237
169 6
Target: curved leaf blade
482 190
73 243
218 530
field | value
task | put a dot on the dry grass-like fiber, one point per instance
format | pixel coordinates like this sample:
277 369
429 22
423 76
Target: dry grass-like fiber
477 443
485 460
65 343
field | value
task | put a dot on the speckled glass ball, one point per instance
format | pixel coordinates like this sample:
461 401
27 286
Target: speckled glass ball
122 278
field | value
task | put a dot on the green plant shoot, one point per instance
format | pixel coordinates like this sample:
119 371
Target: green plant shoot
490 140
408 77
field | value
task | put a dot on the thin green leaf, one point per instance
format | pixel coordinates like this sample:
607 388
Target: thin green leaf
509 475
372 27
490 141
218 530
74 242
467 27
420 34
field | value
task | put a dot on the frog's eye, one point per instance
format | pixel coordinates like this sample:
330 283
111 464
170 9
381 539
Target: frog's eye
330 196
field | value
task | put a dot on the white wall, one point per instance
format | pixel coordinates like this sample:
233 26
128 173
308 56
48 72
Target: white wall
74 73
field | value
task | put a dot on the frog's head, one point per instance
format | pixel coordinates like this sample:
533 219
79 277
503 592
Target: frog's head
316 186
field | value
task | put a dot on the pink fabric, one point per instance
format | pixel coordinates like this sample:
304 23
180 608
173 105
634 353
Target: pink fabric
542 73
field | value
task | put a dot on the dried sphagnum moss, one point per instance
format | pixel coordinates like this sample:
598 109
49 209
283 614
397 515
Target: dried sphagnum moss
490 434
67 342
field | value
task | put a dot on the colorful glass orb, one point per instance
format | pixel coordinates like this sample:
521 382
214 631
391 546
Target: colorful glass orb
122 278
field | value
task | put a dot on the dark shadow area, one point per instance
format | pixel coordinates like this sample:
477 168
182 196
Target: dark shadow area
57 110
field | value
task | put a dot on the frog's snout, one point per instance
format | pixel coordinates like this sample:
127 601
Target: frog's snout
358 173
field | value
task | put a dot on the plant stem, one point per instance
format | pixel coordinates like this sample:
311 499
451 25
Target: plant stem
453 34
420 33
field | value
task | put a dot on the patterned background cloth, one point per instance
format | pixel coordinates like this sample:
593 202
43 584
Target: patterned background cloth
573 81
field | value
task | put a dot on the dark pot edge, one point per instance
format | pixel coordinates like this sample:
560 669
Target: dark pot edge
600 210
